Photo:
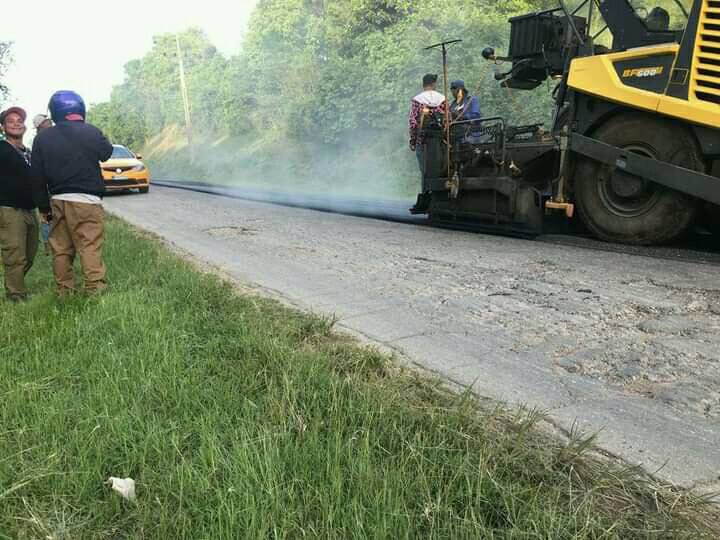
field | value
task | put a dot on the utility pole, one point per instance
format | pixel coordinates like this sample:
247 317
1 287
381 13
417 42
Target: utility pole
185 98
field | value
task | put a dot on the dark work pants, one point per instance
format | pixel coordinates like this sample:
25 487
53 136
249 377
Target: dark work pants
420 154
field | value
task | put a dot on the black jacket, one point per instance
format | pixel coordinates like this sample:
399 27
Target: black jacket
66 159
15 183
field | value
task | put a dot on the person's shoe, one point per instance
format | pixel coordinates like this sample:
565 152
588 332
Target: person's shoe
422 204
17 298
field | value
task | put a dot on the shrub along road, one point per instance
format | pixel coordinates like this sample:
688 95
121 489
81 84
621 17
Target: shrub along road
239 417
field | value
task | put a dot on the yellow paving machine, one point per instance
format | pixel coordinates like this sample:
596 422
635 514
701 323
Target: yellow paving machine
634 146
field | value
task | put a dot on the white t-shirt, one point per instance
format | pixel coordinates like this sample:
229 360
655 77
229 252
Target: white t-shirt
78 198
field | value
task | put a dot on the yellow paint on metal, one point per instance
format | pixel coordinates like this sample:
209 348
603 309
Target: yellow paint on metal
596 76
643 72
703 62
566 207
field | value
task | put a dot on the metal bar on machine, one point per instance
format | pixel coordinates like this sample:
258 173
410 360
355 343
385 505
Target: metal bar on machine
571 22
680 179
444 48
582 5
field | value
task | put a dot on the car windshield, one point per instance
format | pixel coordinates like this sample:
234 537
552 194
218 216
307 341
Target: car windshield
663 15
120 152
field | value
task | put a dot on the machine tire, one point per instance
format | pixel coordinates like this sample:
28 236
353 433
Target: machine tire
656 215
144 189
711 218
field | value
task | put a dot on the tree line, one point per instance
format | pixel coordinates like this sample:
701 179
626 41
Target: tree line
5 59
316 78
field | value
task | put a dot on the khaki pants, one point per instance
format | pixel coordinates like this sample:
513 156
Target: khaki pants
77 228
19 243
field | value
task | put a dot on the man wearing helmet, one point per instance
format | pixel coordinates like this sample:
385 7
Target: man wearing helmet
18 219
68 188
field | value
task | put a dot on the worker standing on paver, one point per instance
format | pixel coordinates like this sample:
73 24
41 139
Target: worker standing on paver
18 219
69 187
464 105
423 105
465 109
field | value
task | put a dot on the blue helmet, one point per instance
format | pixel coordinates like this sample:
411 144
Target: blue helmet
64 102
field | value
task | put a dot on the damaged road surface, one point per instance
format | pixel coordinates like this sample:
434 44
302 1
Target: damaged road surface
624 345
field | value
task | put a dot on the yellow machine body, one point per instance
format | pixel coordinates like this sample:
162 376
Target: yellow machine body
600 77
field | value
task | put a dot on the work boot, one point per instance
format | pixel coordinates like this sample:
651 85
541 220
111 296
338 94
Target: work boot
18 297
422 204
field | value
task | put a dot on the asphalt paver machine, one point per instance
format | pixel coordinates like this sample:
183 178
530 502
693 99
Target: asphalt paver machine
634 145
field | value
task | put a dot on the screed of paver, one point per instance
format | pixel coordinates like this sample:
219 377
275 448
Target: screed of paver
622 345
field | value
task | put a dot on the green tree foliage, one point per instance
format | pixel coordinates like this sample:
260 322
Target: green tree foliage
329 68
5 59
320 77
150 97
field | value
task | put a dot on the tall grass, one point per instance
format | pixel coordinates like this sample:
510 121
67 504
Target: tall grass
240 418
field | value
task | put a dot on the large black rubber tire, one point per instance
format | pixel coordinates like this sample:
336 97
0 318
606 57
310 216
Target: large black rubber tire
656 215
144 189
711 218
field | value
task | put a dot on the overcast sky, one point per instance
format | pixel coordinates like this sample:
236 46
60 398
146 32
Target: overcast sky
83 45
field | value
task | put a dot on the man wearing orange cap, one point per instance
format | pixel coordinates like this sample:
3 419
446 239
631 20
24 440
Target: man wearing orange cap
18 219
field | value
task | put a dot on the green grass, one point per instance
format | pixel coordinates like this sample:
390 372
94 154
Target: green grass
240 418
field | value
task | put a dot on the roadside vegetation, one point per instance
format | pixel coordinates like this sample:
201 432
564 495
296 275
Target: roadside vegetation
239 417
5 61
318 96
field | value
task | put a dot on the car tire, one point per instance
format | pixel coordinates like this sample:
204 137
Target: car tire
144 189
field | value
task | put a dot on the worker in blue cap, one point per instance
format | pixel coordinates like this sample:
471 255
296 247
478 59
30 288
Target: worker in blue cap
464 106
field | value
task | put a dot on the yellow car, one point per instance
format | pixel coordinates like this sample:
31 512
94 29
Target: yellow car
125 170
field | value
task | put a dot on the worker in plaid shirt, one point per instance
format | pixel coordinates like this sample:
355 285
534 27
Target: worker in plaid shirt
426 103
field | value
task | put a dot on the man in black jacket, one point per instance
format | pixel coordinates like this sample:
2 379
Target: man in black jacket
18 219
68 190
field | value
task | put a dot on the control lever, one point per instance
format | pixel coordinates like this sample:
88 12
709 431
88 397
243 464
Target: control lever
488 53
517 66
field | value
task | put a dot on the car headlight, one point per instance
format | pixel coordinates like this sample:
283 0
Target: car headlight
138 168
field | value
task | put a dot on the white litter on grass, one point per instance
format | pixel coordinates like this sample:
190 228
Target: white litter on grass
124 486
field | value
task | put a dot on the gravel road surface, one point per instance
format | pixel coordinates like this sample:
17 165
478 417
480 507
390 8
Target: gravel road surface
621 344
